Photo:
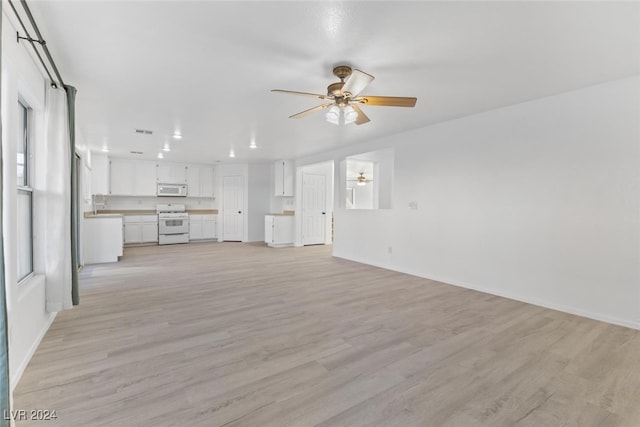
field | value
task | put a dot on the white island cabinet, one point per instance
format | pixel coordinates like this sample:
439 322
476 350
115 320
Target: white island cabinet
102 239
278 230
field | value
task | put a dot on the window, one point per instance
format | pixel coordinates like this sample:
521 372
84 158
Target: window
25 195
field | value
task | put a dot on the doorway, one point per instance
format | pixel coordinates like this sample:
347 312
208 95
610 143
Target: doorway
233 208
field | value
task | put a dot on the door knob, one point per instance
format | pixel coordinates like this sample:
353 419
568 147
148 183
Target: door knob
239 211
324 213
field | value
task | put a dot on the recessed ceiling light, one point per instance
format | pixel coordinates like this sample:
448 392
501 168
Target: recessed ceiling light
232 154
166 147
177 135
105 149
253 144
160 156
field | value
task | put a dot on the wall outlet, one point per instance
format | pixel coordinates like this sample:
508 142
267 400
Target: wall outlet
413 205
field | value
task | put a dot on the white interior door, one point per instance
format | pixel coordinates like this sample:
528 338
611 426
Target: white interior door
314 208
233 208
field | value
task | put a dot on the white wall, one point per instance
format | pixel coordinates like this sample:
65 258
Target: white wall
27 318
538 202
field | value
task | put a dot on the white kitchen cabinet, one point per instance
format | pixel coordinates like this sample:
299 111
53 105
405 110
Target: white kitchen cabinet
171 173
122 176
131 177
278 230
206 182
193 181
102 239
284 178
145 178
99 174
140 228
209 226
200 181
195 227
202 226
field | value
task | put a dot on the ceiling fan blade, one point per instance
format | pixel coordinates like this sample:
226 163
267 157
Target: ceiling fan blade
312 95
356 82
386 101
310 110
362 117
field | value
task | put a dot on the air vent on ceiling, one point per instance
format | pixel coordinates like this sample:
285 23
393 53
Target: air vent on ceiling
136 152
144 131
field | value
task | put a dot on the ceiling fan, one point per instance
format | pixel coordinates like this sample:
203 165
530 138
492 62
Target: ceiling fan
361 179
346 100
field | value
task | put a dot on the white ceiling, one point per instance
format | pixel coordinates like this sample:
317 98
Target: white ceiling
206 68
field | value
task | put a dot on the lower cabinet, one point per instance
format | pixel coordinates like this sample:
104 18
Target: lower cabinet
278 230
102 239
140 228
202 226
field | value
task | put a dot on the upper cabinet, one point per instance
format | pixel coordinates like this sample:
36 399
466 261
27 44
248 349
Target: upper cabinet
200 181
284 178
122 176
133 177
145 181
171 173
99 173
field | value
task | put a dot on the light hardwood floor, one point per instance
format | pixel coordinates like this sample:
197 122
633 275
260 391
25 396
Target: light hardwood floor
233 334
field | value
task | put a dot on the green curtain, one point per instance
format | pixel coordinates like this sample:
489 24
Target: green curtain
71 107
5 404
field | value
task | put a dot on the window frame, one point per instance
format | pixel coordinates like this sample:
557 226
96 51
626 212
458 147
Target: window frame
26 186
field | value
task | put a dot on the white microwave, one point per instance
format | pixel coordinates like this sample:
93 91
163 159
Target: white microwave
172 190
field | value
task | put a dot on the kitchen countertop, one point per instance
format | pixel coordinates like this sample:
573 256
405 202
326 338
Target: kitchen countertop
203 211
127 212
285 213
147 212
102 215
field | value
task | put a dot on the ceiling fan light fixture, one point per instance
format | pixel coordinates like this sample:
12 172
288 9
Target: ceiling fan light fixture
333 115
350 114
362 180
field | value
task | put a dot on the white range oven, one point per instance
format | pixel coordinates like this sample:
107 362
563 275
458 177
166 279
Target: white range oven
173 224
